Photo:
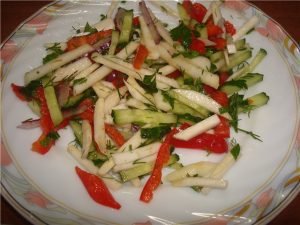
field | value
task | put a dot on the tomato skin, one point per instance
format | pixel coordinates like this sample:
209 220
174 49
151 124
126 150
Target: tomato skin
223 76
155 178
223 128
114 134
136 21
213 30
116 78
220 43
175 74
218 96
229 28
97 189
198 46
204 141
199 12
88 114
140 57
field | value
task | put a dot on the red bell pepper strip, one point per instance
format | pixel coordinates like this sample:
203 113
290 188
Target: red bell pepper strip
174 74
97 189
114 134
91 39
223 76
18 92
140 57
135 21
43 144
217 95
204 141
155 178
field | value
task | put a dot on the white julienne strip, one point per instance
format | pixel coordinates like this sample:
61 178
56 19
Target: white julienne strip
202 168
87 164
86 137
105 24
125 166
200 181
160 102
99 127
201 61
136 94
72 68
84 73
210 10
113 99
203 100
165 8
198 128
250 24
148 39
135 141
57 63
108 62
195 72
139 153
141 90
222 167
133 102
166 70
101 90
104 71
111 9
136 182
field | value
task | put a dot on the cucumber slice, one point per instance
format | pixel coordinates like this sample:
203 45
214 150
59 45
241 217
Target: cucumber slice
233 86
126 116
184 16
255 102
143 169
52 103
237 59
126 27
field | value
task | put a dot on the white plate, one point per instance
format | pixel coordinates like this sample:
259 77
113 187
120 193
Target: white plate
259 184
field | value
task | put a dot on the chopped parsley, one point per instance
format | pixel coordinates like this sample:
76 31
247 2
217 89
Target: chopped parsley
182 33
88 28
55 52
235 151
51 136
79 81
155 133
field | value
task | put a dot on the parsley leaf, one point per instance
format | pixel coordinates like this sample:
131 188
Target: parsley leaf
55 52
51 136
168 98
155 133
89 29
182 33
149 83
235 151
79 81
238 83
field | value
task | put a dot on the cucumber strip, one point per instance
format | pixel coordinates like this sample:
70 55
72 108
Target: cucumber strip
114 42
202 112
143 169
52 103
250 79
261 54
202 30
35 108
87 138
255 102
181 108
76 127
126 27
250 24
127 116
236 59
184 16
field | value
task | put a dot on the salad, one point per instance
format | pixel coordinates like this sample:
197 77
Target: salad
133 90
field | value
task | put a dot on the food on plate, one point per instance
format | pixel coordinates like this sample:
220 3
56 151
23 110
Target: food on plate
132 89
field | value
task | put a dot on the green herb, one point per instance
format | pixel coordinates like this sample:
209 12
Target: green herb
123 2
110 146
163 9
55 52
235 151
250 31
155 133
51 136
189 54
253 135
168 98
76 30
213 67
149 83
96 158
89 29
103 17
29 90
79 81
183 33
188 117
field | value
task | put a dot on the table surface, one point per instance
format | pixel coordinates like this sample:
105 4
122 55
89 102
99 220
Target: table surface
285 13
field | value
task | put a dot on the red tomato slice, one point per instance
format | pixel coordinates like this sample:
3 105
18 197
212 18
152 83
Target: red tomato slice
175 74
217 95
197 46
220 43
223 128
223 76
213 30
18 92
199 12
229 28
136 21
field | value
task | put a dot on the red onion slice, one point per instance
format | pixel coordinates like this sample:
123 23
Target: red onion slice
29 124
63 92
